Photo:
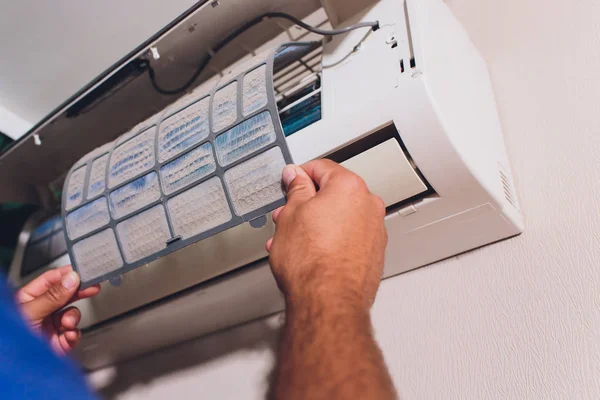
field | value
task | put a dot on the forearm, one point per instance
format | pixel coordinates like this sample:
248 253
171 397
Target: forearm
328 351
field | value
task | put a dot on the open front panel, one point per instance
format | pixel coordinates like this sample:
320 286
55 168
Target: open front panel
213 163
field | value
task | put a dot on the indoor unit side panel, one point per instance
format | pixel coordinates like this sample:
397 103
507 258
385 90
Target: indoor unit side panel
458 82
444 238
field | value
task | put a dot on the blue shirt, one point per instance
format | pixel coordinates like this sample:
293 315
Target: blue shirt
29 369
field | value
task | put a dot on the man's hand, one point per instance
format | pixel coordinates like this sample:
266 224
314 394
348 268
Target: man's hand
328 243
327 257
40 300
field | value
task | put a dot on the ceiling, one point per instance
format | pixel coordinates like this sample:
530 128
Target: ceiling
50 49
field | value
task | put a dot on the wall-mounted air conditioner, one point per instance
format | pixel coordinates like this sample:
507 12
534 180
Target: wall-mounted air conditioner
409 107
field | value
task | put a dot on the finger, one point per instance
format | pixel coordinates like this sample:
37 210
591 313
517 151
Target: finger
276 214
269 244
321 171
55 298
41 284
85 293
67 319
67 341
72 338
299 186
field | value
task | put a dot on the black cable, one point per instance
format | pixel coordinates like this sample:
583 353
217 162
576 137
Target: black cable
208 57
183 88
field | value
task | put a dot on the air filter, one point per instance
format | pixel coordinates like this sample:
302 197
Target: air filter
206 164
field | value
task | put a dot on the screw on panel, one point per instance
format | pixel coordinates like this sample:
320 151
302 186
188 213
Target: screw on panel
215 3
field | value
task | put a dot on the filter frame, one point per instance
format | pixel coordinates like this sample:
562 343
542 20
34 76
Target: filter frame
176 243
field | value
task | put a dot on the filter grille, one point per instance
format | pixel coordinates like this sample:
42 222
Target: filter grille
256 182
188 168
225 107
98 253
132 157
74 192
184 129
249 136
87 218
213 163
97 182
144 234
134 195
199 209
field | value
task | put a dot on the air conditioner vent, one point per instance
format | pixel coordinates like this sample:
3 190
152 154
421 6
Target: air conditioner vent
509 189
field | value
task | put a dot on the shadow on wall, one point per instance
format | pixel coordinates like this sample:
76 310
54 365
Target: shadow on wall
258 335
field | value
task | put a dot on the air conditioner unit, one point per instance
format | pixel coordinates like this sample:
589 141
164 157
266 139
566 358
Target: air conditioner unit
409 107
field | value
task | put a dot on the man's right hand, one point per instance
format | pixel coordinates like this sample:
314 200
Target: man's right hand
327 257
328 243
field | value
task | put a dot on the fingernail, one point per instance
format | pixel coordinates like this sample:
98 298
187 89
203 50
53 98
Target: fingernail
73 319
288 175
70 280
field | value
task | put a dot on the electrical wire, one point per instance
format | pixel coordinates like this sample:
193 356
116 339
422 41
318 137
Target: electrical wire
211 53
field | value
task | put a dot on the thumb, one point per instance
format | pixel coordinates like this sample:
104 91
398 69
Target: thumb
53 299
299 186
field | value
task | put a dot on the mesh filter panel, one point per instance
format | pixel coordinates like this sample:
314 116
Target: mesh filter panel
224 112
256 182
74 192
134 195
87 218
199 209
207 163
249 136
99 253
144 234
132 158
255 90
184 129
188 168
97 181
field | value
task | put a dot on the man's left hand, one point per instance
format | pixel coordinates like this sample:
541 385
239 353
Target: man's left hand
40 300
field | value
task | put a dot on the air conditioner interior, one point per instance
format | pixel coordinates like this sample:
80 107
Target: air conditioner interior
387 134
297 84
46 247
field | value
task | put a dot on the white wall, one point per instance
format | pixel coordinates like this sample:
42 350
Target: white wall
518 319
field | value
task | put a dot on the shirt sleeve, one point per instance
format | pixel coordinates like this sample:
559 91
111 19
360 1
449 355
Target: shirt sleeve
29 369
